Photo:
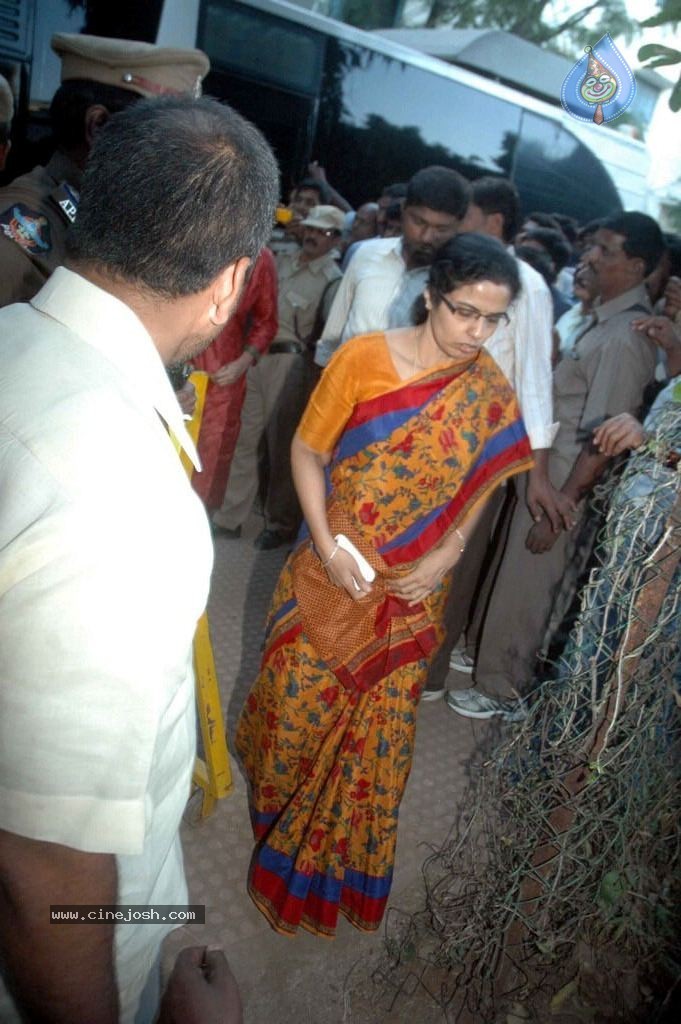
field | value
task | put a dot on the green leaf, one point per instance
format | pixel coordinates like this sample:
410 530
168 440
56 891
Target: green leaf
670 13
657 50
661 62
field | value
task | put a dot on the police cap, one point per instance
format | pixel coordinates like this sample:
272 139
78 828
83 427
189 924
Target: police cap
141 67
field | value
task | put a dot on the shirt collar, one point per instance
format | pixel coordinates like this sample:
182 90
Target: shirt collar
108 325
637 296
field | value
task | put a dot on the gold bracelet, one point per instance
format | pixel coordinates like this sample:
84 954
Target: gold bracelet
461 537
331 557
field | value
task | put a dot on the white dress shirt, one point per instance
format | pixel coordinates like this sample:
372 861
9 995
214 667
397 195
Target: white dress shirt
105 558
377 292
523 351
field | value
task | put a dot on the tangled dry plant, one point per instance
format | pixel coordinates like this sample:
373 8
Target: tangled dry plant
560 888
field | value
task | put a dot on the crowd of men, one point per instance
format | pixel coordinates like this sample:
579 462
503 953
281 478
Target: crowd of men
85 414
580 348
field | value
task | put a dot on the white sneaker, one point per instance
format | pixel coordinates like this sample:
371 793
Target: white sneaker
474 704
460 661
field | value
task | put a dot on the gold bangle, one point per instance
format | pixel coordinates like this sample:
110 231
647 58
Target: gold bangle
461 537
331 557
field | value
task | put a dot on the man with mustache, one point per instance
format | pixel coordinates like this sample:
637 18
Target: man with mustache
97 705
387 274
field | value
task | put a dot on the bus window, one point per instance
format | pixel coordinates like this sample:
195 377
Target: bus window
254 43
285 119
381 120
554 171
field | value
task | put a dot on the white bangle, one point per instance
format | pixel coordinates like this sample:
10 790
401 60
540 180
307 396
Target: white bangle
461 537
331 557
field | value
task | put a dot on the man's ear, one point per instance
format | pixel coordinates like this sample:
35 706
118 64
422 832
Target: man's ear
227 289
96 117
637 267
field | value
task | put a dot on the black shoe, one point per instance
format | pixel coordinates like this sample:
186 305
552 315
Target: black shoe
267 540
224 531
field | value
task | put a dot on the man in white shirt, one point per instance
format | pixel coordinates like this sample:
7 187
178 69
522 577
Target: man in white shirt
105 553
386 275
522 348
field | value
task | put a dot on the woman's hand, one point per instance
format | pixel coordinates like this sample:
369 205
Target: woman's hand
422 580
344 572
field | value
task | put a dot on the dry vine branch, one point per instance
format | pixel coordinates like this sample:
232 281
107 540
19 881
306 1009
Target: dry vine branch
569 847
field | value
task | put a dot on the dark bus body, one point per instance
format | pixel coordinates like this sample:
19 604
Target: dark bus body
372 112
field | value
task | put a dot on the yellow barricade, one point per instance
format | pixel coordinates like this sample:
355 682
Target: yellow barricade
213 772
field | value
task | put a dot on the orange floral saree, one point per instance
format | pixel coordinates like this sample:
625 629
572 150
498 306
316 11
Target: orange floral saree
326 735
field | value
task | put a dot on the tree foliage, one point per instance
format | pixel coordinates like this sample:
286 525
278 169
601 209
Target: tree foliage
530 19
656 55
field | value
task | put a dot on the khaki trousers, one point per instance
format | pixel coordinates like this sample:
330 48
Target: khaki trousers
520 607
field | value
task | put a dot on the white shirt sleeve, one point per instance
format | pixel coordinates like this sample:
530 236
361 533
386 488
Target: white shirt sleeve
362 303
523 351
332 335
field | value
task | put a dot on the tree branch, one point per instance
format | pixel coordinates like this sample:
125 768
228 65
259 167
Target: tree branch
538 30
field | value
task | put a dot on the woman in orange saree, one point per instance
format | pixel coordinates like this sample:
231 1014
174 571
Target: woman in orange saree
405 436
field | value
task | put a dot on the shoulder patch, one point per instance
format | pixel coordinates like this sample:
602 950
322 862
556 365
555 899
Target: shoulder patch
66 198
28 228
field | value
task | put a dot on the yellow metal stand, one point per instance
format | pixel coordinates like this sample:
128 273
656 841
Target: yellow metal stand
213 773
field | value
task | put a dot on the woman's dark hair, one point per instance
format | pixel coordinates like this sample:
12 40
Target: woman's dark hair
467 259
174 191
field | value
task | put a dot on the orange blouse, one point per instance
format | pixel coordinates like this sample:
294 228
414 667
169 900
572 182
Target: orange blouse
360 370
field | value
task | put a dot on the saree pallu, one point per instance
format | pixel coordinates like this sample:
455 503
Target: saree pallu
326 735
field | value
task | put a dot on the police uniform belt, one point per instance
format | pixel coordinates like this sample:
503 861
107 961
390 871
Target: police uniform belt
298 348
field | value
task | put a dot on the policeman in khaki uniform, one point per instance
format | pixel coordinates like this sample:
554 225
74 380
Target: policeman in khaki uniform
606 374
99 77
279 385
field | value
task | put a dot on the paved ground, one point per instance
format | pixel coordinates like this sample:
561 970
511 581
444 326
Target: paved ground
303 980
